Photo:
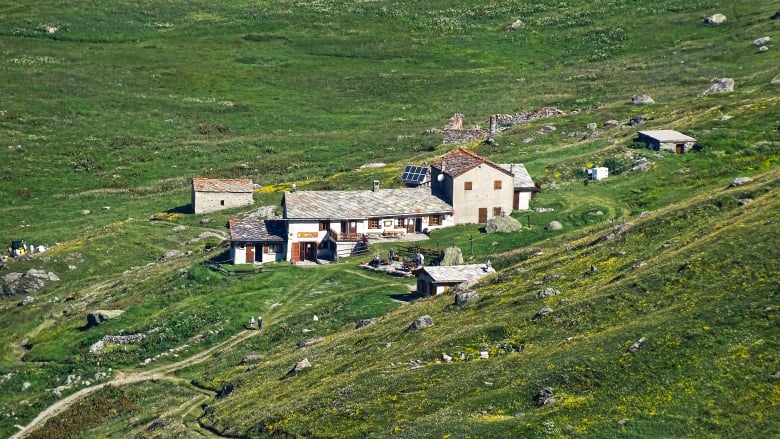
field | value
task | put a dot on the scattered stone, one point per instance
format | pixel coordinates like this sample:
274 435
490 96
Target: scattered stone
452 256
26 385
642 99
465 297
547 292
547 129
592 126
484 355
739 181
715 19
147 361
725 118
86 212
543 312
251 358
27 300
612 123
315 318
365 322
101 316
622 228
763 49
544 397
517 24
227 388
309 342
761 41
420 323
446 358
776 375
719 85
636 120
743 201
637 345
372 166
299 366
179 228
171 254
502 224
554 225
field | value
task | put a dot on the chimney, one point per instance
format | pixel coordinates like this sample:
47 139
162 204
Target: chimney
376 186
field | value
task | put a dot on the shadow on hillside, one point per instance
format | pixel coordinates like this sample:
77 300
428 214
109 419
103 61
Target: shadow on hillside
408 297
185 209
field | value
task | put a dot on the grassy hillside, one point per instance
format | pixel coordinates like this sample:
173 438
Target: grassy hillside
109 110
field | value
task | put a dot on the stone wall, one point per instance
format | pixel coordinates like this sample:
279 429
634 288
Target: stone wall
455 133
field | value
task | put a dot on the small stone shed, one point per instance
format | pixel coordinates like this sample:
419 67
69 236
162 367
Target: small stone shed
435 280
667 140
253 240
209 194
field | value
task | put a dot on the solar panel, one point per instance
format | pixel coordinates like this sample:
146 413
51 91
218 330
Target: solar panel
414 174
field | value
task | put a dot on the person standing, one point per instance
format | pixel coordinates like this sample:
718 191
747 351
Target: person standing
251 322
391 254
259 322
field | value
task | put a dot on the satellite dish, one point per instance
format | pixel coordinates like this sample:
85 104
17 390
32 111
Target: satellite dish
440 177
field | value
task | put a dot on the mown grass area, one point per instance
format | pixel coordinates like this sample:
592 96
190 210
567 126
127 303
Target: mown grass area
105 120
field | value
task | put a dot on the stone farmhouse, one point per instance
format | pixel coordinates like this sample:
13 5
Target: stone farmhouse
434 280
464 188
667 140
209 194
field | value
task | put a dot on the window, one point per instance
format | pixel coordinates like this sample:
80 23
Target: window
272 248
401 223
466 185
373 223
221 202
323 225
496 184
496 211
435 220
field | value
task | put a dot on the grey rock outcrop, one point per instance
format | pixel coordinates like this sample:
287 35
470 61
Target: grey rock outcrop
719 85
452 256
299 366
365 322
715 19
101 316
503 224
554 225
636 120
544 397
26 283
420 323
739 181
642 99
547 292
465 297
761 41
308 342
543 312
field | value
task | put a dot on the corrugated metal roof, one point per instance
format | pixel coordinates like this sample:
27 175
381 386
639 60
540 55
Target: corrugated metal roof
252 229
667 136
362 204
522 177
222 185
457 273
461 161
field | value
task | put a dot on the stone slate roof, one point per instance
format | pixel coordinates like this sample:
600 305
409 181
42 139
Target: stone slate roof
522 177
461 161
239 185
362 204
456 273
256 230
666 136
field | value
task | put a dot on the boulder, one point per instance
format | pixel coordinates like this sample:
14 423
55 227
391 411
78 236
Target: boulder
636 120
544 396
547 292
503 224
365 322
420 323
547 129
739 181
465 297
719 85
27 300
763 49
452 256
554 225
251 358
642 99
100 316
637 345
761 41
543 312
299 366
226 389
517 24
26 283
715 19
743 201
612 123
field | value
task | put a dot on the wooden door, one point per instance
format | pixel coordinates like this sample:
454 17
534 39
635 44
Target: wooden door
483 215
250 254
295 256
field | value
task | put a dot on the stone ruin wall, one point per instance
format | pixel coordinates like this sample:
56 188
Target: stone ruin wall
454 132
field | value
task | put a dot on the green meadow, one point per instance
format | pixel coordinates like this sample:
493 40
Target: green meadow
666 276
